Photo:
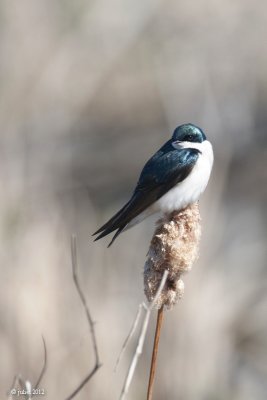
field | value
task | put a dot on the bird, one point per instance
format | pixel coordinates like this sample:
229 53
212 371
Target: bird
172 179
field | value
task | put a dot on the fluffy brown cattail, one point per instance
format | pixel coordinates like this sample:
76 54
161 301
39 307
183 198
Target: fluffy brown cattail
174 247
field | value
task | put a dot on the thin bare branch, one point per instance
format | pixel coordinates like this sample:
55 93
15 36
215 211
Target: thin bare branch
44 366
132 330
25 384
140 344
88 317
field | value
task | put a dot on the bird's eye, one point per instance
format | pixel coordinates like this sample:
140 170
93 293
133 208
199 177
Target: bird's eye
189 137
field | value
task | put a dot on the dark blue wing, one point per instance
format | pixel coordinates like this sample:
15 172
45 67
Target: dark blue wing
166 168
162 172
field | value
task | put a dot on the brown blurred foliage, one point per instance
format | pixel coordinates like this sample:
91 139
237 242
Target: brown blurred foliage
89 90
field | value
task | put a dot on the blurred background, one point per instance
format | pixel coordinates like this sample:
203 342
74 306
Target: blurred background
89 91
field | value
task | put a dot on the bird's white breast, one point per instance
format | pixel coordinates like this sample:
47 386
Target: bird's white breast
189 190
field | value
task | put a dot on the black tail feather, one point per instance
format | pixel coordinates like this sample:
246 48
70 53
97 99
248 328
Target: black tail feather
119 221
104 233
116 235
107 231
113 222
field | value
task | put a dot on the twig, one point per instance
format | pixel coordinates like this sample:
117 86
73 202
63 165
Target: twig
154 354
89 319
139 348
44 367
132 330
26 384
27 387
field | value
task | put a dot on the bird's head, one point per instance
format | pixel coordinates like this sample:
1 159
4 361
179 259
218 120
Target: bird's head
188 133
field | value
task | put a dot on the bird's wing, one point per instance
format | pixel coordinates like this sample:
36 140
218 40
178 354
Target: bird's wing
161 173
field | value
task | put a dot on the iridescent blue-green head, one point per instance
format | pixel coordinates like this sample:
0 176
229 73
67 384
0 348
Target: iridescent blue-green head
188 133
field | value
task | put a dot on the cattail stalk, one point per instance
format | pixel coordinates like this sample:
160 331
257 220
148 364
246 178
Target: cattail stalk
173 248
155 354
141 339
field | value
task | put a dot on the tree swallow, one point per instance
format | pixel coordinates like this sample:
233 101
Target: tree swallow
173 178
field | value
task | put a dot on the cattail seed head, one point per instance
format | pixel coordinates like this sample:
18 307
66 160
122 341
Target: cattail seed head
174 247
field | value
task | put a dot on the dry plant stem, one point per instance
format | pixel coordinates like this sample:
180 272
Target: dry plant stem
132 330
140 344
25 384
174 247
88 317
154 354
44 367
